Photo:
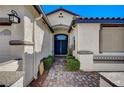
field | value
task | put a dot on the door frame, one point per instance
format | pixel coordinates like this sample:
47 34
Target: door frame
54 43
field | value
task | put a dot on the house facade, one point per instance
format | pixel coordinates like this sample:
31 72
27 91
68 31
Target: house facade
96 42
99 44
24 44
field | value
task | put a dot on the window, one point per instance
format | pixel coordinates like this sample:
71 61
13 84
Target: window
112 40
61 37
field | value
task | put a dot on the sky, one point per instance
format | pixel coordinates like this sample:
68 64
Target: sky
90 10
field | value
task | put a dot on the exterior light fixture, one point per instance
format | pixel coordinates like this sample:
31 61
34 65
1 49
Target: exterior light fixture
13 17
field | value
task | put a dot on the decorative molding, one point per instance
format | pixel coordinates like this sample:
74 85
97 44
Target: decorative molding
20 42
112 25
85 52
107 62
5 22
62 26
108 59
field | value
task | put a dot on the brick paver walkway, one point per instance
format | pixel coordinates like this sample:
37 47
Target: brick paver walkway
58 76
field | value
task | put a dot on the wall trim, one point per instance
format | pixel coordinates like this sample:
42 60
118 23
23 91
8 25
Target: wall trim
20 42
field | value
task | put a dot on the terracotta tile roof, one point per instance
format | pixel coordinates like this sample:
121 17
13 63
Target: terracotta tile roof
105 22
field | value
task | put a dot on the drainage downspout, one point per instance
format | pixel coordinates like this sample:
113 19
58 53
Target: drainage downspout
33 39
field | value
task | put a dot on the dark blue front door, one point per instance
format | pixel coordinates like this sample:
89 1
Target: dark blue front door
60 44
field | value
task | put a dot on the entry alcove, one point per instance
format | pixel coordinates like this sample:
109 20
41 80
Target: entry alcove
60 44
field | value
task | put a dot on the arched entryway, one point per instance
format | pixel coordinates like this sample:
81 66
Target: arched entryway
60 44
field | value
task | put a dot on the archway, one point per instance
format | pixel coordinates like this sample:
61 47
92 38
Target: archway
60 44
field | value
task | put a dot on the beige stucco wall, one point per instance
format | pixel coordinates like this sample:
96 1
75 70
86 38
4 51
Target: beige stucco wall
16 31
42 41
5 36
88 40
55 20
21 31
74 34
88 37
31 55
71 38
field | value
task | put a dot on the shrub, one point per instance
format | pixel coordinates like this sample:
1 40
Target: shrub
51 57
70 57
73 64
48 62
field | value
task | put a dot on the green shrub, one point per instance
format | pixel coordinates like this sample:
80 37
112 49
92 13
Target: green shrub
48 62
73 64
70 57
51 57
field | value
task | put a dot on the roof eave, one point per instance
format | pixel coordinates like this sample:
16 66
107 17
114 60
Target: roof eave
61 9
105 21
70 27
40 11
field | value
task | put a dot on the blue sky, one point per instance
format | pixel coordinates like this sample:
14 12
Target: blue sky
90 10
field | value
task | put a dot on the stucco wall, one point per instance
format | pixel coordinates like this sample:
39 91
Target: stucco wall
42 43
55 20
47 47
5 36
88 37
31 55
21 31
88 40
72 35
71 39
16 32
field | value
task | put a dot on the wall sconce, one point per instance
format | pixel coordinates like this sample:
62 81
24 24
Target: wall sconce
13 17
